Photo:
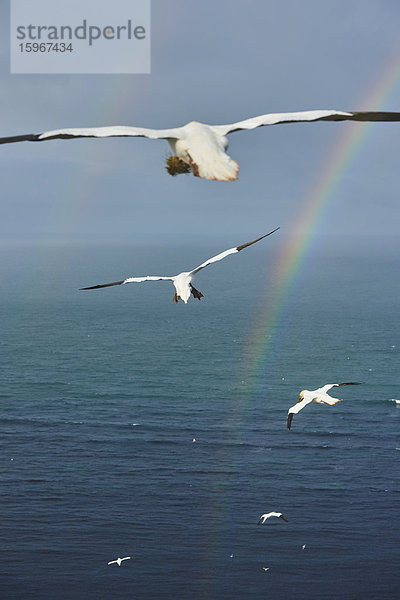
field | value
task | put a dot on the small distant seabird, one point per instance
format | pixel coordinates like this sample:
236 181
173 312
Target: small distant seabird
265 568
118 561
303 547
318 396
199 147
266 516
182 281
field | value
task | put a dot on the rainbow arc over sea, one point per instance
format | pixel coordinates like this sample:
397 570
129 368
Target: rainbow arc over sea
266 335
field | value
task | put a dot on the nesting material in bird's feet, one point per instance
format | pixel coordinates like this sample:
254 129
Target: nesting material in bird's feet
176 166
176 298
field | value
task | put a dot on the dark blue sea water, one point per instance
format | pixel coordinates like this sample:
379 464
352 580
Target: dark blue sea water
103 392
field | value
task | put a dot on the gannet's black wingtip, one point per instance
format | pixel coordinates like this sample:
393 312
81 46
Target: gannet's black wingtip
376 116
96 287
239 248
284 518
28 137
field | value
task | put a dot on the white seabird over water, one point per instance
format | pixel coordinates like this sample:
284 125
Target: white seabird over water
182 281
118 561
267 516
319 396
199 147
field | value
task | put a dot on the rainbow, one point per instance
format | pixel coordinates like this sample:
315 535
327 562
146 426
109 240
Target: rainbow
264 339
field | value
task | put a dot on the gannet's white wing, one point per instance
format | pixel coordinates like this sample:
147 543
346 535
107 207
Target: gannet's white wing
126 558
96 132
293 410
228 252
129 280
111 562
300 405
328 386
307 115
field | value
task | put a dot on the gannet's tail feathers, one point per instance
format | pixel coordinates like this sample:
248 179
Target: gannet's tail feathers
212 163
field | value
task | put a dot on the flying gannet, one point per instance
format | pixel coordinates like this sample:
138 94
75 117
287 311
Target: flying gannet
267 516
182 281
319 396
199 147
118 561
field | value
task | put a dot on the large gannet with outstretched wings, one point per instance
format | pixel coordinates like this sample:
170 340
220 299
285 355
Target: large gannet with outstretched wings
199 147
182 281
319 396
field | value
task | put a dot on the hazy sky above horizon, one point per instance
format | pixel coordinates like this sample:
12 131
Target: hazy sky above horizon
216 62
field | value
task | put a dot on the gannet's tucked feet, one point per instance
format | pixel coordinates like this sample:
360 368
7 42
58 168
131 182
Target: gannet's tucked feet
195 292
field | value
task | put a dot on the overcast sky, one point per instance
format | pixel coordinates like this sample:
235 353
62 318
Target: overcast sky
216 61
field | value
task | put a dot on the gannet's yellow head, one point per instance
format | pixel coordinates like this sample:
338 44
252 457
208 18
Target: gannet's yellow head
301 396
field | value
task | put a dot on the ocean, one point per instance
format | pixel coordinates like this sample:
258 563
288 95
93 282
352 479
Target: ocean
131 426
